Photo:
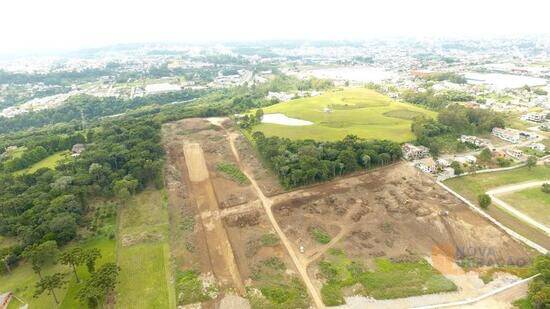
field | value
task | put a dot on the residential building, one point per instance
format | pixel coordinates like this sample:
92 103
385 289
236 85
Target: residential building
426 165
412 152
537 147
508 135
474 140
535 117
515 153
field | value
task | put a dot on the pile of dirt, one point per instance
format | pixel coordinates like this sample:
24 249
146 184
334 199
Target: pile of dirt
243 220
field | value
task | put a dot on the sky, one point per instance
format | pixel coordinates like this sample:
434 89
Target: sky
39 25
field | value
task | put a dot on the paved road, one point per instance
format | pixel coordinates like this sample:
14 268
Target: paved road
267 203
513 188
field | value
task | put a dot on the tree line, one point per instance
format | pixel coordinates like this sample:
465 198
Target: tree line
86 107
302 162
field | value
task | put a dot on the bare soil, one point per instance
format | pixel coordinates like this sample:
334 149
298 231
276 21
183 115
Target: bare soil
394 212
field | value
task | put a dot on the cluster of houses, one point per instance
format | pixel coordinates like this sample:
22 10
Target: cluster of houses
513 136
534 117
474 140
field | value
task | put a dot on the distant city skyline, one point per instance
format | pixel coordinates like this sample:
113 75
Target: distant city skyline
32 26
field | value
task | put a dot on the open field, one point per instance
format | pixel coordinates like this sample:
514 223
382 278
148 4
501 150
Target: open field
389 221
49 162
472 185
358 111
143 253
533 202
21 281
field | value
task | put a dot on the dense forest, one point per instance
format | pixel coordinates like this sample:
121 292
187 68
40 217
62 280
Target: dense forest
304 162
121 158
85 107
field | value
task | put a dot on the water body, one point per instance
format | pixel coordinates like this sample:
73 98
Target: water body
356 74
502 81
284 120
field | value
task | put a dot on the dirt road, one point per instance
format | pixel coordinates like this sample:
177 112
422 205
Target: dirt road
267 203
513 188
219 247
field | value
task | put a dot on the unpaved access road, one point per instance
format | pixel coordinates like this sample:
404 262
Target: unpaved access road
267 203
219 247
513 188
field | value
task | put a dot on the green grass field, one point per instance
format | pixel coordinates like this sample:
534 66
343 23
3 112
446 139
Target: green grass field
532 202
49 162
143 253
386 280
473 185
358 111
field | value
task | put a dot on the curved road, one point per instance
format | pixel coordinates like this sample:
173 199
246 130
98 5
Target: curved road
518 187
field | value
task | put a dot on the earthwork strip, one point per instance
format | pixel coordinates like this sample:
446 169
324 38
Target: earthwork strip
219 247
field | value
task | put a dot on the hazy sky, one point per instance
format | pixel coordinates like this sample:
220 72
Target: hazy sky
34 25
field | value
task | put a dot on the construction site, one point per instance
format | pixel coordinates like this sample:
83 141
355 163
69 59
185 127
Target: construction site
254 244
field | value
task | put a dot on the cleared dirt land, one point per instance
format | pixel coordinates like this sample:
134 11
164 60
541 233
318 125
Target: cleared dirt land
371 234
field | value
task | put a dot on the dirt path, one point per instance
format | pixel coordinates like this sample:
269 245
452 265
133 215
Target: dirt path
318 252
219 247
509 208
267 203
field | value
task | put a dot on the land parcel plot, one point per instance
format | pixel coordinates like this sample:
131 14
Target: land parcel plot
532 202
143 253
335 114
472 185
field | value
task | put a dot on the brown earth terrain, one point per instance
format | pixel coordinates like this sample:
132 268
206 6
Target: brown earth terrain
220 227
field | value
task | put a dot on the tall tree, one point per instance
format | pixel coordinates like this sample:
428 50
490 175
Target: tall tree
90 256
40 255
73 257
50 283
100 284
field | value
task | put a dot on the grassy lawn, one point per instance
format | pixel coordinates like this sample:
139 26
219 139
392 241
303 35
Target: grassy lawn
22 280
49 162
386 280
472 185
533 202
143 253
358 111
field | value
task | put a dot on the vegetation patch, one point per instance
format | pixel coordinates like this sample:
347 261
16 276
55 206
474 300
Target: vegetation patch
275 288
269 240
232 171
320 235
387 280
190 288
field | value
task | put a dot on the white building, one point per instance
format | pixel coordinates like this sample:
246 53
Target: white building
478 142
508 135
535 117
412 152
537 146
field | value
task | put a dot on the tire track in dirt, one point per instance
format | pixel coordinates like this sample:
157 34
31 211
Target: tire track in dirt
220 251
267 203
